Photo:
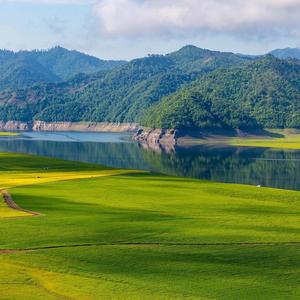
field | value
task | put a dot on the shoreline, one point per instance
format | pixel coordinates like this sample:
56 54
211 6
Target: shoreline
68 126
265 138
168 139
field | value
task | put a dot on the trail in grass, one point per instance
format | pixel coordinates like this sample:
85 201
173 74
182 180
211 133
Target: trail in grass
13 205
12 251
16 172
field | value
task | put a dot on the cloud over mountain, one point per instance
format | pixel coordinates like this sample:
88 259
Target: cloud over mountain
136 18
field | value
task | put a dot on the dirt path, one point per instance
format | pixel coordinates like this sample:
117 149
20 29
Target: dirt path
9 251
13 205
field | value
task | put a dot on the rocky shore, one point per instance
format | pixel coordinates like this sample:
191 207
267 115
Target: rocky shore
157 139
67 126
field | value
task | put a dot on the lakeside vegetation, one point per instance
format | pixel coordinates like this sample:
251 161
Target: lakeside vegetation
286 139
139 235
269 138
4 133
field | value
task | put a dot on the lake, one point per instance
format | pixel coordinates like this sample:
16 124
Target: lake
246 165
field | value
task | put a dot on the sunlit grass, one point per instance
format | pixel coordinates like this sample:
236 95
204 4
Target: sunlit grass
6 212
144 236
8 133
289 139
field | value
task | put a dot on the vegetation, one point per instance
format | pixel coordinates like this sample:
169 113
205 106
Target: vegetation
6 133
286 53
140 235
260 94
286 139
119 95
7 212
26 68
190 88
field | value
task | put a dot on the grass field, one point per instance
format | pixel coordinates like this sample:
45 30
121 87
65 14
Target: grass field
114 234
269 138
8 133
285 139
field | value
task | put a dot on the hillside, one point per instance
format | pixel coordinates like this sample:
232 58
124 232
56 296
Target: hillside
286 53
26 68
119 95
263 93
189 88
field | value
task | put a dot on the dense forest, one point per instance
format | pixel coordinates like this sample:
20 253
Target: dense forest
189 88
263 93
25 68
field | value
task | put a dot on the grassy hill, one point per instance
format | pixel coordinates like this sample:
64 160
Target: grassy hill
140 235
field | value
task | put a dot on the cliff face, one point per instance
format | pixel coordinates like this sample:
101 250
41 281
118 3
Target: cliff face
157 139
68 126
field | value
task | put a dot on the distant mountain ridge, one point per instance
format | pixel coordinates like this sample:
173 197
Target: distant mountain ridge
286 53
24 68
119 95
188 88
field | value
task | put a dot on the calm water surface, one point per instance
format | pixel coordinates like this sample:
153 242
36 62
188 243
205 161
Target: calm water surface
246 165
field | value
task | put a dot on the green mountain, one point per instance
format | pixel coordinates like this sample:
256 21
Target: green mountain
119 95
189 88
193 59
26 68
286 53
260 93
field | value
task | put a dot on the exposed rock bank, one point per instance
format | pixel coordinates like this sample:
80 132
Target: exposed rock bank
67 126
157 139
14 126
167 139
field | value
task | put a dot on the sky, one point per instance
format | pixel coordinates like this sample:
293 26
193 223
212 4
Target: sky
126 29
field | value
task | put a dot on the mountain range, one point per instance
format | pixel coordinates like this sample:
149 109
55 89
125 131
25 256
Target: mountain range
286 53
189 88
25 68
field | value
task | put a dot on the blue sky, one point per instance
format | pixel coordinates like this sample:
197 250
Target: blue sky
124 29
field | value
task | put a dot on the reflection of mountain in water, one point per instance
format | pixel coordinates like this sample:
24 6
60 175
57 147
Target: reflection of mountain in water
118 155
256 166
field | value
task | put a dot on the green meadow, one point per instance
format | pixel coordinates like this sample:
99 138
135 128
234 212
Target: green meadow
116 234
283 139
268 138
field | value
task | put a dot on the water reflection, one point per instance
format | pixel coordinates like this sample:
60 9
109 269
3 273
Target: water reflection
255 166
245 165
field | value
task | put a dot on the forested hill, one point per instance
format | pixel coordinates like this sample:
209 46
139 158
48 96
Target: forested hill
286 53
189 88
26 68
263 93
119 95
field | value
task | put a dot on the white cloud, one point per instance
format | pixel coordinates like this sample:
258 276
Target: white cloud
134 18
51 1
142 18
